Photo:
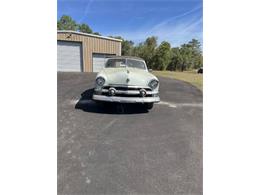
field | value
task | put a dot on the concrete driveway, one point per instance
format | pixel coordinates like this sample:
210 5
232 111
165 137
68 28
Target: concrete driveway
125 149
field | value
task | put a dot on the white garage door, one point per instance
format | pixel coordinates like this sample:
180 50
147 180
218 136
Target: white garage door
99 61
69 56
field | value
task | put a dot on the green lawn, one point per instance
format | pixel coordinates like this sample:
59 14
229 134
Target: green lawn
189 76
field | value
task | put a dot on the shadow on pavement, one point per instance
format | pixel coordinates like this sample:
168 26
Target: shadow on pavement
88 105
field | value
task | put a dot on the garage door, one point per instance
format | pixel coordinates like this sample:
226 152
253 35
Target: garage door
99 61
69 56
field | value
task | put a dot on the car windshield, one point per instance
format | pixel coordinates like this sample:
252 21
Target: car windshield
135 64
116 63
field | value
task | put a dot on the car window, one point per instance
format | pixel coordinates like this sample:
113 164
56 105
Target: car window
115 63
135 64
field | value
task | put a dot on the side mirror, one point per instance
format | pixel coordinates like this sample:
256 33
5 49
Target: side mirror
150 70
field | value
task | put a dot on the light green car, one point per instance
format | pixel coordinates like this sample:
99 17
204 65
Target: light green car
126 80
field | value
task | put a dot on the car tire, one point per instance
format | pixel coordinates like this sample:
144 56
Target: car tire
200 71
149 106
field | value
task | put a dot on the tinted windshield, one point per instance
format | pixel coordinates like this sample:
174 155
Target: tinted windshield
115 63
135 64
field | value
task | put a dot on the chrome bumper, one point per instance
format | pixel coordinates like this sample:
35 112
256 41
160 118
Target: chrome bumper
126 99
128 92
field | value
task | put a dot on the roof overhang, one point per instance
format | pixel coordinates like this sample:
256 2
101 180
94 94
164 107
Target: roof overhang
89 35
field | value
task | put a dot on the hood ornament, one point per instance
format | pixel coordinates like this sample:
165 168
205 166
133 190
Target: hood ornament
127 80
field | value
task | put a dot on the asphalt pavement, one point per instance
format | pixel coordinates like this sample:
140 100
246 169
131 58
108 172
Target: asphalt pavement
125 149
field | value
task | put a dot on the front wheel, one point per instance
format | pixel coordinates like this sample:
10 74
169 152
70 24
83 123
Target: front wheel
149 106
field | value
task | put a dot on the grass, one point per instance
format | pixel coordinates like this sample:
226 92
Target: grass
189 76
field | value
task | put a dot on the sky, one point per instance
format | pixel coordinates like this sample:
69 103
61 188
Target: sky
175 21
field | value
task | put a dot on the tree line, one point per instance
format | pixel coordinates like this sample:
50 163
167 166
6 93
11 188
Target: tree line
67 23
188 56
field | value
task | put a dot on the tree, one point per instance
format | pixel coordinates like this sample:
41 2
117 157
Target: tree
137 50
162 57
186 54
195 54
147 50
84 28
197 60
186 57
126 46
176 61
67 23
195 45
96 33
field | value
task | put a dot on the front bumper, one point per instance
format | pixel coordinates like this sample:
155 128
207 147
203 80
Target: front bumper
126 99
128 92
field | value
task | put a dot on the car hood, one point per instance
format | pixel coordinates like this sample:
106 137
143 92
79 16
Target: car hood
126 76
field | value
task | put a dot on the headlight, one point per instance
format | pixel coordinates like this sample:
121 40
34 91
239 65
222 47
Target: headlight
100 81
153 84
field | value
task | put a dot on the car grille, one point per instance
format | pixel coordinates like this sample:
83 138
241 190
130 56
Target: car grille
129 88
127 91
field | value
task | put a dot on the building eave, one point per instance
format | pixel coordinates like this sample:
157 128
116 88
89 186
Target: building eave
89 35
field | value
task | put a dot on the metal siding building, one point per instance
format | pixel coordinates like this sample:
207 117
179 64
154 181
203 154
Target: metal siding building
84 52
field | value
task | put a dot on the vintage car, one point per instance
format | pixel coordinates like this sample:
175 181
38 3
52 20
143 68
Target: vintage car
126 80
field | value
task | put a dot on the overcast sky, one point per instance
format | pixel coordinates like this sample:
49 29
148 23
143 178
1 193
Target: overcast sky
175 21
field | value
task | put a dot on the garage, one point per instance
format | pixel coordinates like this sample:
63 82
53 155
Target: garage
69 56
99 61
83 52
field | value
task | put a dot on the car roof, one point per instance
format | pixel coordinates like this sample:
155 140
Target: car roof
126 57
